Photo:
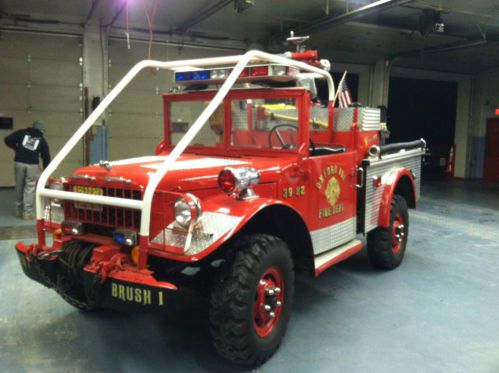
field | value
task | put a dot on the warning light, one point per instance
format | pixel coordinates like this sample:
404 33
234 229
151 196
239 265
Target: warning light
497 111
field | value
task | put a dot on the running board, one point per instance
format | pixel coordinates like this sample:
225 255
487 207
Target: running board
331 257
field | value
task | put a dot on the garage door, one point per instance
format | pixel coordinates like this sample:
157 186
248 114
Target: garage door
40 79
135 119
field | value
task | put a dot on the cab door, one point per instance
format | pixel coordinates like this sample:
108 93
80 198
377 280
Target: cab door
332 199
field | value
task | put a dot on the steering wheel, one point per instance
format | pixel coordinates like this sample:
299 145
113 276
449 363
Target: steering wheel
279 137
281 140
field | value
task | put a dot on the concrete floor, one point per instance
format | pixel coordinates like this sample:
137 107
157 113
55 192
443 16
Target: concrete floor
438 312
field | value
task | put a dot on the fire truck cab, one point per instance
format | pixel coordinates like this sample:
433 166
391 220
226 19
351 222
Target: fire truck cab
254 180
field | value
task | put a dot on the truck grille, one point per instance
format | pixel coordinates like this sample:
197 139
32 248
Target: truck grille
108 216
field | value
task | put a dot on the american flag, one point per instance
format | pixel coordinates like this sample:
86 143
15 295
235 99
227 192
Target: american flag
345 98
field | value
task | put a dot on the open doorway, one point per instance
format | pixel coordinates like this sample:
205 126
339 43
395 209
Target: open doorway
426 109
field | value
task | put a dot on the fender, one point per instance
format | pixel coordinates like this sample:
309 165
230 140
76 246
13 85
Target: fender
390 181
241 210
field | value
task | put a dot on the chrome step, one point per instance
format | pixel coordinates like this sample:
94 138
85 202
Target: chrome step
325 260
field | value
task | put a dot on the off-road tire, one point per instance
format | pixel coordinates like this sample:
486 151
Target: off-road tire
382 251
233 326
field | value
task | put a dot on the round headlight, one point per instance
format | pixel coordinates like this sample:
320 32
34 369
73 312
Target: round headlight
182 212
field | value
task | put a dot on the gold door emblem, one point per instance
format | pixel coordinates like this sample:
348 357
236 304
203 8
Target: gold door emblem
333 190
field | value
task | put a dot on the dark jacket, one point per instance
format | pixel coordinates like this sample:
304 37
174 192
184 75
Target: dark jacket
29 144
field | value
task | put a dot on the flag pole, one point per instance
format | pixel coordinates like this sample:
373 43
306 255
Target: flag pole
340 87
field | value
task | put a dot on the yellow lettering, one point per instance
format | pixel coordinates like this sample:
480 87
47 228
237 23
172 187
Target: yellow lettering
138 295
121 292
160 295
147 297
342 174
327 212
320 182
114 290
129 293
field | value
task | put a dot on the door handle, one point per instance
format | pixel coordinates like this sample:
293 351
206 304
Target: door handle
360 177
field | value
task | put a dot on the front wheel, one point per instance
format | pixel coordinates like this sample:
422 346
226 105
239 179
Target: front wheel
386 246
251 304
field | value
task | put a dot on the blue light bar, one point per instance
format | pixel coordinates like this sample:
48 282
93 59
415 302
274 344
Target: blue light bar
200 75
187 75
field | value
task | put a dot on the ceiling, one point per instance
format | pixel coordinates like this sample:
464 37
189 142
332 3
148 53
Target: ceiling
351 31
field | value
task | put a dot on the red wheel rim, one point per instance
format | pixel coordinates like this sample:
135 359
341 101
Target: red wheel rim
269 300
398 233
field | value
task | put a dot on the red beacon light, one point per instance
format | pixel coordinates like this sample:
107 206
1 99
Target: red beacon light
238 181
260 71
244 73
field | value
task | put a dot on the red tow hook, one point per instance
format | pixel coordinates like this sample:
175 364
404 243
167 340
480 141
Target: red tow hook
116 263
34 250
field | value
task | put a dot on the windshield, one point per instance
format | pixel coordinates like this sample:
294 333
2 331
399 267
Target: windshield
255 123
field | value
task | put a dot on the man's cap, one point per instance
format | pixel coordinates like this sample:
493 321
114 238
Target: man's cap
38 125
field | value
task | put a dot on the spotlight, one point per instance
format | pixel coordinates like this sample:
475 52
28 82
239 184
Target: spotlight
430 21
241 5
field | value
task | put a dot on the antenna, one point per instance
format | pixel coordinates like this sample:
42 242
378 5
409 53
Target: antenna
297 40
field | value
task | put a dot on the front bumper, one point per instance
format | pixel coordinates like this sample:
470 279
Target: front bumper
123 289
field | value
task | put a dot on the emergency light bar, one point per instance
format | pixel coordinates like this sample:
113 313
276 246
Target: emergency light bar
279 73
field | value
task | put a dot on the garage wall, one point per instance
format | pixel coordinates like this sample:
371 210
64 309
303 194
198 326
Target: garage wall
135 119
40 79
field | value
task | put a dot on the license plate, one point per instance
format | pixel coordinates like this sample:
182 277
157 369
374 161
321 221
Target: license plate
88 190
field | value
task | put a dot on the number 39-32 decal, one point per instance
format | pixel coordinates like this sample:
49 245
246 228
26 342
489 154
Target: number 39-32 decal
297 191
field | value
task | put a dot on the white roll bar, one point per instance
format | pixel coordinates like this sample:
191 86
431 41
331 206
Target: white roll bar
240 61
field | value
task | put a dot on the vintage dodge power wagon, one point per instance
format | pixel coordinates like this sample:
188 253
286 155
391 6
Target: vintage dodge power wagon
254 180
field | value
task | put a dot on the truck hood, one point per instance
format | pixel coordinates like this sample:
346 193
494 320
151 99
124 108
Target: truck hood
190 172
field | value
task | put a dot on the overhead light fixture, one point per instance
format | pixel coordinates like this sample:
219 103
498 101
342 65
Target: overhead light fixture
439 25
431 21
241 5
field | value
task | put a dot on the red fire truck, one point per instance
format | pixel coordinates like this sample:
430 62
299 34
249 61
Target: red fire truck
254 180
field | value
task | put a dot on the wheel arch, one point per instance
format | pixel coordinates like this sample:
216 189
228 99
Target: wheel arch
401 183
284 222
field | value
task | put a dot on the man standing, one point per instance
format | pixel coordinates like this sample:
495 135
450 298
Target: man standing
29 144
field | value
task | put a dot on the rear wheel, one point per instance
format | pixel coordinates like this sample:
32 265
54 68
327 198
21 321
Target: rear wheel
386 246
251 304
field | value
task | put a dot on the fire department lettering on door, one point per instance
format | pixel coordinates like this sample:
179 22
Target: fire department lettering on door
332 190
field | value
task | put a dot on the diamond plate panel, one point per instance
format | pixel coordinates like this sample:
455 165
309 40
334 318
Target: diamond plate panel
368 119
382 168
327 238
